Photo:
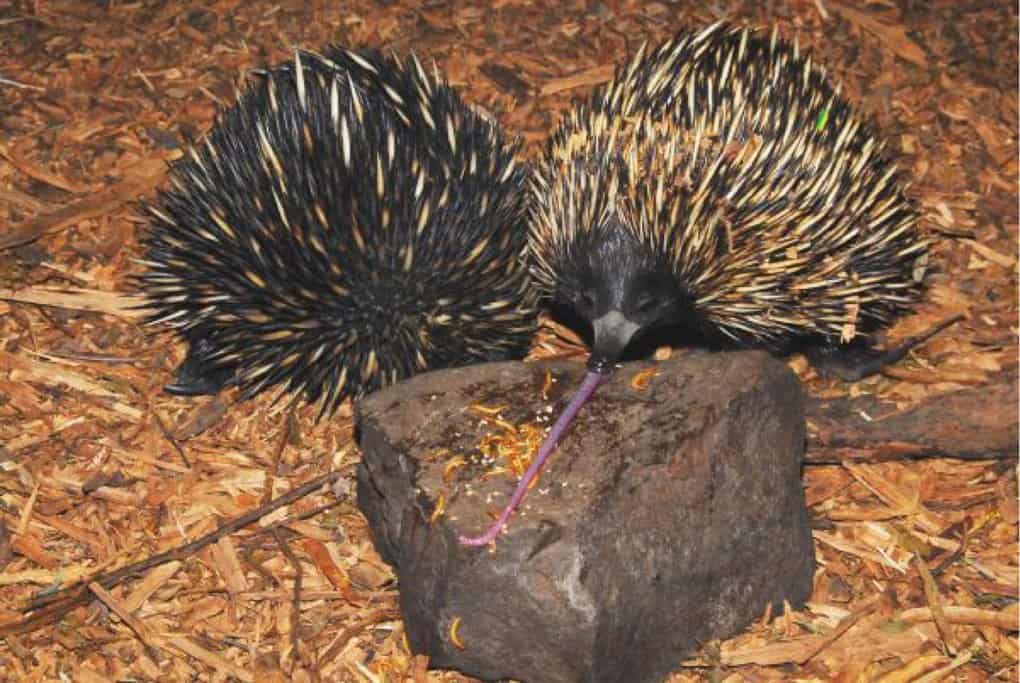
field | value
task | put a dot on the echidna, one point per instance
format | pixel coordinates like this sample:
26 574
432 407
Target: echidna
721 183
720 186
347 223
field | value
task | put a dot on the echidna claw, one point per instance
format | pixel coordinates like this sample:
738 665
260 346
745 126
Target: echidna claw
197 376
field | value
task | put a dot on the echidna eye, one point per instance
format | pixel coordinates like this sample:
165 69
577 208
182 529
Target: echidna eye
646 303
587 300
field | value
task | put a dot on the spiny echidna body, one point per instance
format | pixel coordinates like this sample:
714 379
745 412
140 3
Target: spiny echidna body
721 184
721 187
349 222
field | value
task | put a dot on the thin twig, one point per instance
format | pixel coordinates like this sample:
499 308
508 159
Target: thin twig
169 437
274 469
247 553
136 625
371 619
18 84
931 594
955 555
845 624
247 541
295 604
51 608
94 358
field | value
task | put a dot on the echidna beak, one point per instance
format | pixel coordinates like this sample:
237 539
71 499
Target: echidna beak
613 331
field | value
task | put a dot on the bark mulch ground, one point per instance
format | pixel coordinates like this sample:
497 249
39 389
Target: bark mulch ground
104 479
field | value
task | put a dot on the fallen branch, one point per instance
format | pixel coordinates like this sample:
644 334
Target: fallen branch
51 608
972 424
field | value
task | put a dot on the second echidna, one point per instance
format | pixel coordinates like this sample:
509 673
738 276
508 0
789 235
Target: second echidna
721 185
349 222
721 188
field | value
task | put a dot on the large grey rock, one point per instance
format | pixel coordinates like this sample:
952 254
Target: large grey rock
670 515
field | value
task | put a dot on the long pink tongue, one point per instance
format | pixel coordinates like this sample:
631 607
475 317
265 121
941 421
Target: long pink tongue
591 382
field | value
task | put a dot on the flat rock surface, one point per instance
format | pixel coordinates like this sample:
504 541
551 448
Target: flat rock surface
671 514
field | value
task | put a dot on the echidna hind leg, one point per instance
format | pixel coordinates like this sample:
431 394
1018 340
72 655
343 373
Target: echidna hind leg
859 359
197 375
852 362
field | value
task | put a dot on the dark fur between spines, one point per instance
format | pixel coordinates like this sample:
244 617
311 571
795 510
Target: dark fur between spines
347 223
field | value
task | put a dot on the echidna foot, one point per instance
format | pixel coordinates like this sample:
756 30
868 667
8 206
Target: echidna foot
197 375
859 359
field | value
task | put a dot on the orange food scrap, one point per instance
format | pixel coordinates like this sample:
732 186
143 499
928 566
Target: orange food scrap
454 636
485 411
495 472
508 426
452 465
439 509
641 379
438 454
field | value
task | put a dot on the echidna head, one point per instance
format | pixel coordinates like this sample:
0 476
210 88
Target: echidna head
619 286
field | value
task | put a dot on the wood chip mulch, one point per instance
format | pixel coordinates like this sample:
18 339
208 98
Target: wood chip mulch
166 539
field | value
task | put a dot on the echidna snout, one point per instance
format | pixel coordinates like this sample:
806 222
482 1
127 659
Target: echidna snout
618 286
